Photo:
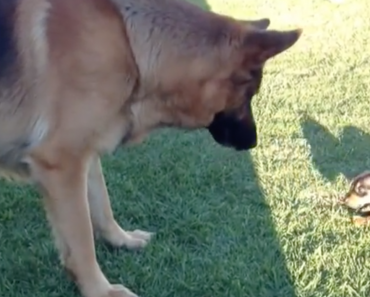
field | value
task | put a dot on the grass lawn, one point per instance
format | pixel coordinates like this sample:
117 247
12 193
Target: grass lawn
236 224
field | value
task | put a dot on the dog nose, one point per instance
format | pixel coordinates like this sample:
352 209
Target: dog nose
253 144
342 200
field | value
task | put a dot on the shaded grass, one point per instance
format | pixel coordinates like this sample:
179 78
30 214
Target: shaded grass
236 224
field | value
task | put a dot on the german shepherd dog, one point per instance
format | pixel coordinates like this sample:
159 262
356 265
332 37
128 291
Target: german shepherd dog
78 79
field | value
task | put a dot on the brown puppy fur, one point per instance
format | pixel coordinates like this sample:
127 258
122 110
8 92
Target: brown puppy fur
358 198
80 78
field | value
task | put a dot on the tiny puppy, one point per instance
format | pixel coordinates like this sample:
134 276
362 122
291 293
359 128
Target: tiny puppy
358 198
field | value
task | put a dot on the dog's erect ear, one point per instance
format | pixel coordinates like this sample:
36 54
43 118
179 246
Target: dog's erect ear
261 24
262 45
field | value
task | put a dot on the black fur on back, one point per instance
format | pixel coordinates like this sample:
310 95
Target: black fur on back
8 48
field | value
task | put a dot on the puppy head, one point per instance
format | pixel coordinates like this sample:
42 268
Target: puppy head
358 196
234 124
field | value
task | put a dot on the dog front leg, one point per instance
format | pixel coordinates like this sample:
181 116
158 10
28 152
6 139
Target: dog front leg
63 179
102 214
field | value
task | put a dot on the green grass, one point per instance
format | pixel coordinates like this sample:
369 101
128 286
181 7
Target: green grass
236 224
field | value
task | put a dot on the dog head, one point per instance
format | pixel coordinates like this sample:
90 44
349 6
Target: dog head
234 125
358 196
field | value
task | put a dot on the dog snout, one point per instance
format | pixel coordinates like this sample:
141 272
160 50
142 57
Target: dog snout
342 200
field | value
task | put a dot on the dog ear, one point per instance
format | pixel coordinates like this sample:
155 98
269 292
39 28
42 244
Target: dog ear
261 24
363 177
262 45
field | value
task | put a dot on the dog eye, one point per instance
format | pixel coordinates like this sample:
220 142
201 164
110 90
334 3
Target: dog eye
361 191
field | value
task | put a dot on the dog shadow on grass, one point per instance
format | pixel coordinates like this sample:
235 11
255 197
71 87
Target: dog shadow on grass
348 154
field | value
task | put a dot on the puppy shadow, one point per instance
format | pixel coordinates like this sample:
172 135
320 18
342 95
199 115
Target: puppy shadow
346 154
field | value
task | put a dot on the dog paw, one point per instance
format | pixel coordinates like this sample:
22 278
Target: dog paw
133 240
120 291
361 221
139 234
137 239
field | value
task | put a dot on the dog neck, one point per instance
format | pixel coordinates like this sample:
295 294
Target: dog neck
156 113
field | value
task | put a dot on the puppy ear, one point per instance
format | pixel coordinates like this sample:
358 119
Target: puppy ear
363 178
262 45
261 24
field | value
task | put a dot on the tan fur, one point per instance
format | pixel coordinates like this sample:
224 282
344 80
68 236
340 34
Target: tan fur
92 74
